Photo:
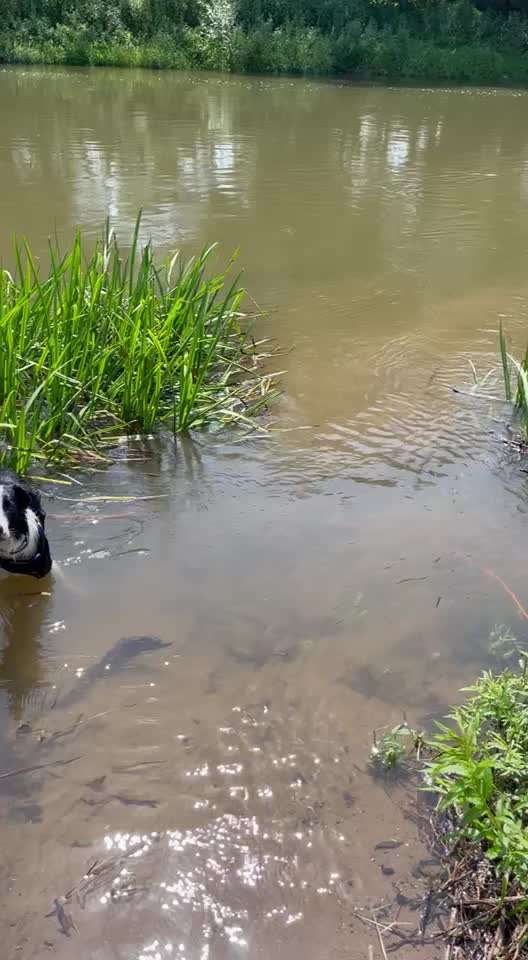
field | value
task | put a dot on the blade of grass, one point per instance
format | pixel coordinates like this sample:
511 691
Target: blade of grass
505 366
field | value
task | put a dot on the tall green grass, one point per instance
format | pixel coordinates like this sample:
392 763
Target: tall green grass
101 343
520 368
505 363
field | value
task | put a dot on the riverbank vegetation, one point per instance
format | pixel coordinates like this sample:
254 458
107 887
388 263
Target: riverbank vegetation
453 40
480 771
475 773
515 379
100 345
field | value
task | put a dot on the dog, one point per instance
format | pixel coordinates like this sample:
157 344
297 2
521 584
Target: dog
24 547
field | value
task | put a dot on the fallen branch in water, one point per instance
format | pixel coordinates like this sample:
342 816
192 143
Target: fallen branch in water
38 766
382 945
58 734
478 396
109 499
89 518
391 928
64 919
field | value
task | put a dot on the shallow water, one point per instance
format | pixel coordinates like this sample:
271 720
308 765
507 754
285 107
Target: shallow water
312 585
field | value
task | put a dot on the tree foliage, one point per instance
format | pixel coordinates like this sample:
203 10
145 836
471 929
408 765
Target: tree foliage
482 41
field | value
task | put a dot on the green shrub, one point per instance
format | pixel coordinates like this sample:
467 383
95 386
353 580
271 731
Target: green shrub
480 771
448 40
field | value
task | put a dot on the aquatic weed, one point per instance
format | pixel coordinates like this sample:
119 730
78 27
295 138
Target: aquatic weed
103 343
395 747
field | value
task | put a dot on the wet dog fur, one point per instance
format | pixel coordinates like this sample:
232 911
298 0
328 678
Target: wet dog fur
24 546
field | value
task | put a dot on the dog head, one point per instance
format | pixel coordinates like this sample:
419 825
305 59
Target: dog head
23 544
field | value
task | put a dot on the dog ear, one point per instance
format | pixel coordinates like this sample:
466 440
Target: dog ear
35 504
20 497
25 497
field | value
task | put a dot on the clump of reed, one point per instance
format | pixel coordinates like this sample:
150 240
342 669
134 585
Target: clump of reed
518 394
101 344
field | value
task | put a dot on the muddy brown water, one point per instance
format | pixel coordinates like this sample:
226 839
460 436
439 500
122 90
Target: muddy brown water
311 586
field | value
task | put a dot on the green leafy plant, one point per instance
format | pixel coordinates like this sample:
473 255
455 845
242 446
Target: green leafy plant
395 746
480 771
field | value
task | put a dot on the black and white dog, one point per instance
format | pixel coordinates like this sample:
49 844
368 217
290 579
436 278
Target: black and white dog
23 544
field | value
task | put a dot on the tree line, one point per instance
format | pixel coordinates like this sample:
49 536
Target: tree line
409 39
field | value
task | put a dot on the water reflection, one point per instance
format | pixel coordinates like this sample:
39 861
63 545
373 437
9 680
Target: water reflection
200 150
24 613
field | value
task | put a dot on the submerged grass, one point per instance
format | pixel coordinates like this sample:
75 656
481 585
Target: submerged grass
103 344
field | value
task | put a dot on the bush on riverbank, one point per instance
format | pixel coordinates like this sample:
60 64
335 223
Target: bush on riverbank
101 345
449 40
480 770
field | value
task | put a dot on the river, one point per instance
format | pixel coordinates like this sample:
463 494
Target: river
315 583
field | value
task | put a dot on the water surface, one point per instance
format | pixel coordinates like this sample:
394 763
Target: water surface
313 585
